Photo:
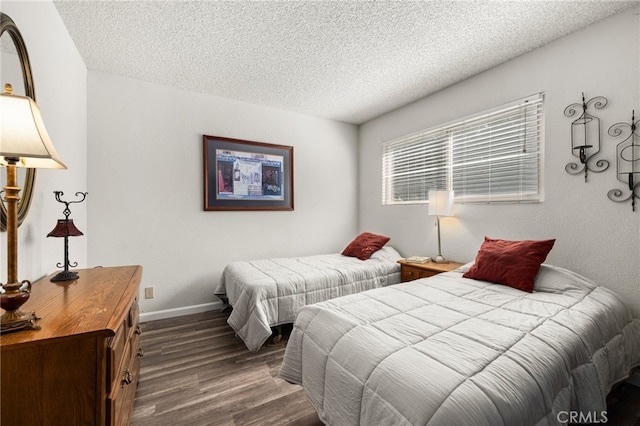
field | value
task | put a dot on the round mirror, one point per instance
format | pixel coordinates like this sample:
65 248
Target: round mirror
15 61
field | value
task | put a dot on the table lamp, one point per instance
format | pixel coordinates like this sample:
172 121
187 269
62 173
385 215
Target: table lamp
24 142
440 204
65 228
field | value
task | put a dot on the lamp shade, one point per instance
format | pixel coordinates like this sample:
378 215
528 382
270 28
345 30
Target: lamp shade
22 134
65 228
440 203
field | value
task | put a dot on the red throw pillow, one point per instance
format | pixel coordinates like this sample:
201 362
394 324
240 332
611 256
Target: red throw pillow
512 263
364 245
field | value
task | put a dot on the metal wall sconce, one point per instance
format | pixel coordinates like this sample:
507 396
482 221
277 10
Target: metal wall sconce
585 136
65 229
627 160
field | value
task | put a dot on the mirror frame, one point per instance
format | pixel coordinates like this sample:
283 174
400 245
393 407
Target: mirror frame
7 25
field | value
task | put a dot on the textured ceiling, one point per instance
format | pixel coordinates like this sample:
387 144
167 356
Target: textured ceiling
345 60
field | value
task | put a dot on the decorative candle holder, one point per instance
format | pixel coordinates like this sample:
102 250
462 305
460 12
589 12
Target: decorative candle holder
627 160
585 137
65 229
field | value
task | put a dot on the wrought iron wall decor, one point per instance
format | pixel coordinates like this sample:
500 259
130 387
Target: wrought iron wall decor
627 160
585 137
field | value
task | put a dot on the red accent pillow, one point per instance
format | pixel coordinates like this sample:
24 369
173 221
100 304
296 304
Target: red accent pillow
364 245
512 263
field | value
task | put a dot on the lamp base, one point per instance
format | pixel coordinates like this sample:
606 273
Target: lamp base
18 320
65 276
440 259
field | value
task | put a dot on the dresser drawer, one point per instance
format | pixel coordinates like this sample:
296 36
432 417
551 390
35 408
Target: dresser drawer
116 350
121 399
425 274
133 316
122 346
124 368
409 273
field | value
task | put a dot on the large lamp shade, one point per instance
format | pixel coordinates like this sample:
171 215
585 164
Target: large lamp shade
23 135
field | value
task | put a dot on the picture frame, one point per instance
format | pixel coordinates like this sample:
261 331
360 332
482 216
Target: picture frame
246 175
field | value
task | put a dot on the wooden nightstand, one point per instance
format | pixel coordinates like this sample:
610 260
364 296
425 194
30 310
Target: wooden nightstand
412 271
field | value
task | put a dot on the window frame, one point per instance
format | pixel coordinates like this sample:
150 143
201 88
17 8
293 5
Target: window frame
393 147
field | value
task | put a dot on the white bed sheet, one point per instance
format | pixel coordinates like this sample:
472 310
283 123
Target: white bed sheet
449 350
267 293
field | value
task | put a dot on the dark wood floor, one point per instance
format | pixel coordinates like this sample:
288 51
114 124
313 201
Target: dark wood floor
196 372
623 406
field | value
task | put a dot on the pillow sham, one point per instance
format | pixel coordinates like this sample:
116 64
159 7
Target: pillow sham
511 263
386 253
364 245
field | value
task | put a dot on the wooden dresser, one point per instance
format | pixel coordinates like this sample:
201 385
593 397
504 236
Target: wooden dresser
82 366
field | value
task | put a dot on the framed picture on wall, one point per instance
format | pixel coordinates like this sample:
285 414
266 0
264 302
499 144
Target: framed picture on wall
246 175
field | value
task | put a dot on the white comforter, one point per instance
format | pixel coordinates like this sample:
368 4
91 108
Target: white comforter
447 350
267 293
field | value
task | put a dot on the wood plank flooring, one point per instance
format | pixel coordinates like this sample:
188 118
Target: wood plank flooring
196 372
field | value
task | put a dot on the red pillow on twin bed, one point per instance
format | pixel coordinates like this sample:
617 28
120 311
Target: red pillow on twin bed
512 263
364 245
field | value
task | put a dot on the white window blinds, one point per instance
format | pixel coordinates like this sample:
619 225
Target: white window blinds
493 156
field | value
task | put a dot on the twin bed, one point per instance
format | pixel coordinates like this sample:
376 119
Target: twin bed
268 293
452 350
457 348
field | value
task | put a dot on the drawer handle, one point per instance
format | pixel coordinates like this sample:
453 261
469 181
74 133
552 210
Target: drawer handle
127 378
138 329
140 353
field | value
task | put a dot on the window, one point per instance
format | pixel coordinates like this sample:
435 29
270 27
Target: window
495 156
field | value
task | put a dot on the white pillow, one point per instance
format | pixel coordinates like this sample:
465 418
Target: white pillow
386 253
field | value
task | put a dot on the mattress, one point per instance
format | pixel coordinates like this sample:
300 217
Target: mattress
450 350
267 293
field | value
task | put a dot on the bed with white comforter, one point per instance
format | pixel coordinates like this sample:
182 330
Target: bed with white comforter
450 350
267 293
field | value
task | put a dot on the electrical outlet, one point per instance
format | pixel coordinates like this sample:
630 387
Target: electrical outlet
148 292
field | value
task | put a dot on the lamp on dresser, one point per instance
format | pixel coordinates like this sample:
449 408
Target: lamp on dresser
65 228
24 142
440 204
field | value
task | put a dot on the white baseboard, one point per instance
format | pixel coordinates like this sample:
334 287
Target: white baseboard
178 312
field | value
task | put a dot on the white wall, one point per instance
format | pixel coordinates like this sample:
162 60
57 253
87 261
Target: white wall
61 92
146 187
145 169
595 236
